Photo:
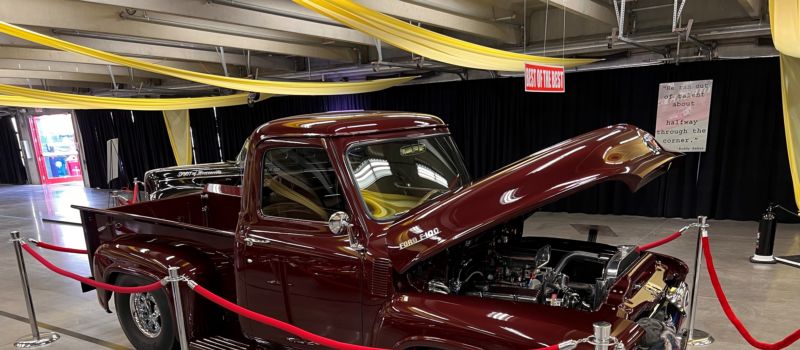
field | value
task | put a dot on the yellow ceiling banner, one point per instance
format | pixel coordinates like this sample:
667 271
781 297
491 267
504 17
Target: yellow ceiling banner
429 43
180 138
27 102
241 84
784 16
25 97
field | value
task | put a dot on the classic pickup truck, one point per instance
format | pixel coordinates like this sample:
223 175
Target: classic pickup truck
365 227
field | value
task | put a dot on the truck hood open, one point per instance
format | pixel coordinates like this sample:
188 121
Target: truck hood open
620 153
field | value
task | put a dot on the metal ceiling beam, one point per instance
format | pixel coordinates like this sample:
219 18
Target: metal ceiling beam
55 66
473 9
499 31
71 76
493 30
279 25
162 54
106 19
31 54
586 9
54 85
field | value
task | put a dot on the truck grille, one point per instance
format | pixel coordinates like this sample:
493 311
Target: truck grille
217 343
381 273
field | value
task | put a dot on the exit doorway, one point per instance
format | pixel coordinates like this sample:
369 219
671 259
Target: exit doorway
56 151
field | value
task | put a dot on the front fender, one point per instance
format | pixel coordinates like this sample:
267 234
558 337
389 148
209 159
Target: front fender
150 258
449 321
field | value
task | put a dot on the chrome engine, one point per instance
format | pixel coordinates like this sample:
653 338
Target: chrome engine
503 265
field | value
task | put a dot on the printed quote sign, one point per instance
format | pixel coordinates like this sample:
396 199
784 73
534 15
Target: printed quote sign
682 116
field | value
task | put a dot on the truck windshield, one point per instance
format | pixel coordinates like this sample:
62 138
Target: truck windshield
395 176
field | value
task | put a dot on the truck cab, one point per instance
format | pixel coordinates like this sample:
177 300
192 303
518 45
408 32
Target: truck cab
365 227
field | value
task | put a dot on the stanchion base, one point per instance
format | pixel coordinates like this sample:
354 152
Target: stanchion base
762 259
28 342
701 338
793 260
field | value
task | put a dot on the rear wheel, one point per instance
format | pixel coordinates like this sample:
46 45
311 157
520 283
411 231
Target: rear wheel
146 318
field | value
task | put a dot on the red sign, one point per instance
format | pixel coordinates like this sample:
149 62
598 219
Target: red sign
540 78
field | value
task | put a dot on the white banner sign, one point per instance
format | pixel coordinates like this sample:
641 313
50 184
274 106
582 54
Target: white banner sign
683 113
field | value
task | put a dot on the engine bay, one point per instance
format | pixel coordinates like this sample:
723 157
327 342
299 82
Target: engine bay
502 264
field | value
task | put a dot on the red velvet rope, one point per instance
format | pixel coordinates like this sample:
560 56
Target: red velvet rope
659 242
59 249
726 307
278 324
100 285
288 327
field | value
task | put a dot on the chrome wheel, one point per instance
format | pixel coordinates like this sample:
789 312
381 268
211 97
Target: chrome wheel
145 314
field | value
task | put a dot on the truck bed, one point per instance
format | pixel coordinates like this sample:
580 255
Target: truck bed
209 209
205 218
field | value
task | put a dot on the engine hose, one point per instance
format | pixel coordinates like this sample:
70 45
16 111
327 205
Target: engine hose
563 262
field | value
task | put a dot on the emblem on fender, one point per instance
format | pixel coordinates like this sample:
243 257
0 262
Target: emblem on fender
423 235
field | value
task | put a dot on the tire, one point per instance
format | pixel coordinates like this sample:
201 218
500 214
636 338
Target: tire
146 332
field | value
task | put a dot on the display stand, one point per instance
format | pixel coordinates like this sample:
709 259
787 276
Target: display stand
765 240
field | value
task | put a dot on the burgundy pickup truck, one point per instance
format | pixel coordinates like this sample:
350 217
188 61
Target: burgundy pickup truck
365 227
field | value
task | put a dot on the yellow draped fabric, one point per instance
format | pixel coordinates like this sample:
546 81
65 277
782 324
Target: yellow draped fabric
25 97
428 43
180 138
241 84
27 102
785 25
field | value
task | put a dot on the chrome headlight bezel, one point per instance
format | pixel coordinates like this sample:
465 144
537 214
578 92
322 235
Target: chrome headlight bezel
679 296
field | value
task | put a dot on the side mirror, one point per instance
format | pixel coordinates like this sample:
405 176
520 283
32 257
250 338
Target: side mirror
341 221
338 221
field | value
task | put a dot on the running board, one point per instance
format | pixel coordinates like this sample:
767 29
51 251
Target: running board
217 343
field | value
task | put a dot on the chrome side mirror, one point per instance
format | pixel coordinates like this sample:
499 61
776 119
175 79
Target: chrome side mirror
341 221
338 221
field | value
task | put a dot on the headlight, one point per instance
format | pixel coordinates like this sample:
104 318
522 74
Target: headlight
651 143
678 296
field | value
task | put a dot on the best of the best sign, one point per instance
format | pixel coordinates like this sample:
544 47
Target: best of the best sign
541 78
682 116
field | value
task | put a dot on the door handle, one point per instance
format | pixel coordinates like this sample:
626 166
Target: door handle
252 241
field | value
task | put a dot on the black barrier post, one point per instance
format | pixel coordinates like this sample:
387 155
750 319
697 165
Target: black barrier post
36 339
765 238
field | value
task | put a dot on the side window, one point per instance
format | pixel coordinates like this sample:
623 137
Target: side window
299 183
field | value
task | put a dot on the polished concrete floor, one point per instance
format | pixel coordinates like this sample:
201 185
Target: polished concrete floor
766 297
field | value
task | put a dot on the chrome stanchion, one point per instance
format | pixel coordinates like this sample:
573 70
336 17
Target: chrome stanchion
36 339
175 282
698 337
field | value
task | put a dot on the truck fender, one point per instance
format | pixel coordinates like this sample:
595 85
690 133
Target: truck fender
150 258
423 342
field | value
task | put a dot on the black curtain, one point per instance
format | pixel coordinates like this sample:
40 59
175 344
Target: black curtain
494 122
235 125
143 143
12 170
97 127
204 135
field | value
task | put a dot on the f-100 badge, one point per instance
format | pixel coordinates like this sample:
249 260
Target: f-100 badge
423 235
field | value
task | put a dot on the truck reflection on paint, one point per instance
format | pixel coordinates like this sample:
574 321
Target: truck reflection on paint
415 255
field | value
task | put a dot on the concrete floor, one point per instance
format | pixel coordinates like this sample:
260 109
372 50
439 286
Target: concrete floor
766 297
